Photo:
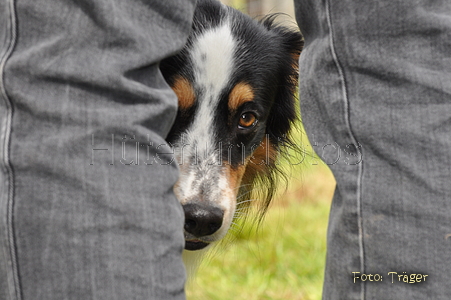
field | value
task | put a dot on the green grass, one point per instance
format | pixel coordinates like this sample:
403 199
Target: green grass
284 258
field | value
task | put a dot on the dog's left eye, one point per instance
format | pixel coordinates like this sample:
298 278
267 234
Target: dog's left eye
247 120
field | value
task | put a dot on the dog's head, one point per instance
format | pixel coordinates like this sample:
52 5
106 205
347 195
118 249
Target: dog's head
235 81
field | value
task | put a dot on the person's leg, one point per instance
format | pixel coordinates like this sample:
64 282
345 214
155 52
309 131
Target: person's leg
377 74
82 216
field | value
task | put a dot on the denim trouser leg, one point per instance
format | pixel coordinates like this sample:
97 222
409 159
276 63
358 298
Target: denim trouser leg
375 89
86 203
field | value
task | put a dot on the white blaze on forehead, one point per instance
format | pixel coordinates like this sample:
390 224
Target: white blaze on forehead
204 178
212 57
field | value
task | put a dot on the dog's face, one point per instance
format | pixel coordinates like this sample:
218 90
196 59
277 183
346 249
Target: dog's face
235 82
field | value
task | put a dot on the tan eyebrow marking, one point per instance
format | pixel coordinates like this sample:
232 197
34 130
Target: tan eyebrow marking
185 92
240 94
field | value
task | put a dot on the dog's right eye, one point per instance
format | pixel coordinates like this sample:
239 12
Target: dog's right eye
247 120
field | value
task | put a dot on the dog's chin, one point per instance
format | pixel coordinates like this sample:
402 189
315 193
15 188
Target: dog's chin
193 245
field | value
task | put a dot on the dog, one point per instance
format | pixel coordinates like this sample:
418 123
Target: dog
235 80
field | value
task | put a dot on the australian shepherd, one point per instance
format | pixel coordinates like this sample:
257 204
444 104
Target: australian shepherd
235 80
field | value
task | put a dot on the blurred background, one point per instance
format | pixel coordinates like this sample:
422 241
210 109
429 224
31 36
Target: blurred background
283 257
256 8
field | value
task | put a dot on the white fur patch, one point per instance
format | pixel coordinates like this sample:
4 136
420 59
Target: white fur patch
212 56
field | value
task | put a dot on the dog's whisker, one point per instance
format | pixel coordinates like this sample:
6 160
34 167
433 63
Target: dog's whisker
242 209
254 189
246 201
233 224
245 194
241 186
239 213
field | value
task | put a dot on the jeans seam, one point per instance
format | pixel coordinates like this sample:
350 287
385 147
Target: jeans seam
5 136
354 140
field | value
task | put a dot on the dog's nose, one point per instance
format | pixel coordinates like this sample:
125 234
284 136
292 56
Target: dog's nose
202 219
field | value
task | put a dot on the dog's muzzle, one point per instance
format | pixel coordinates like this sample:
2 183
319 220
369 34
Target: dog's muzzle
201 221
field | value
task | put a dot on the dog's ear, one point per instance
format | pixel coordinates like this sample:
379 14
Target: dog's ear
284 111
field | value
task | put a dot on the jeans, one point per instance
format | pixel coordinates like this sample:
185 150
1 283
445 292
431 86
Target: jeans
82 215
375 91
